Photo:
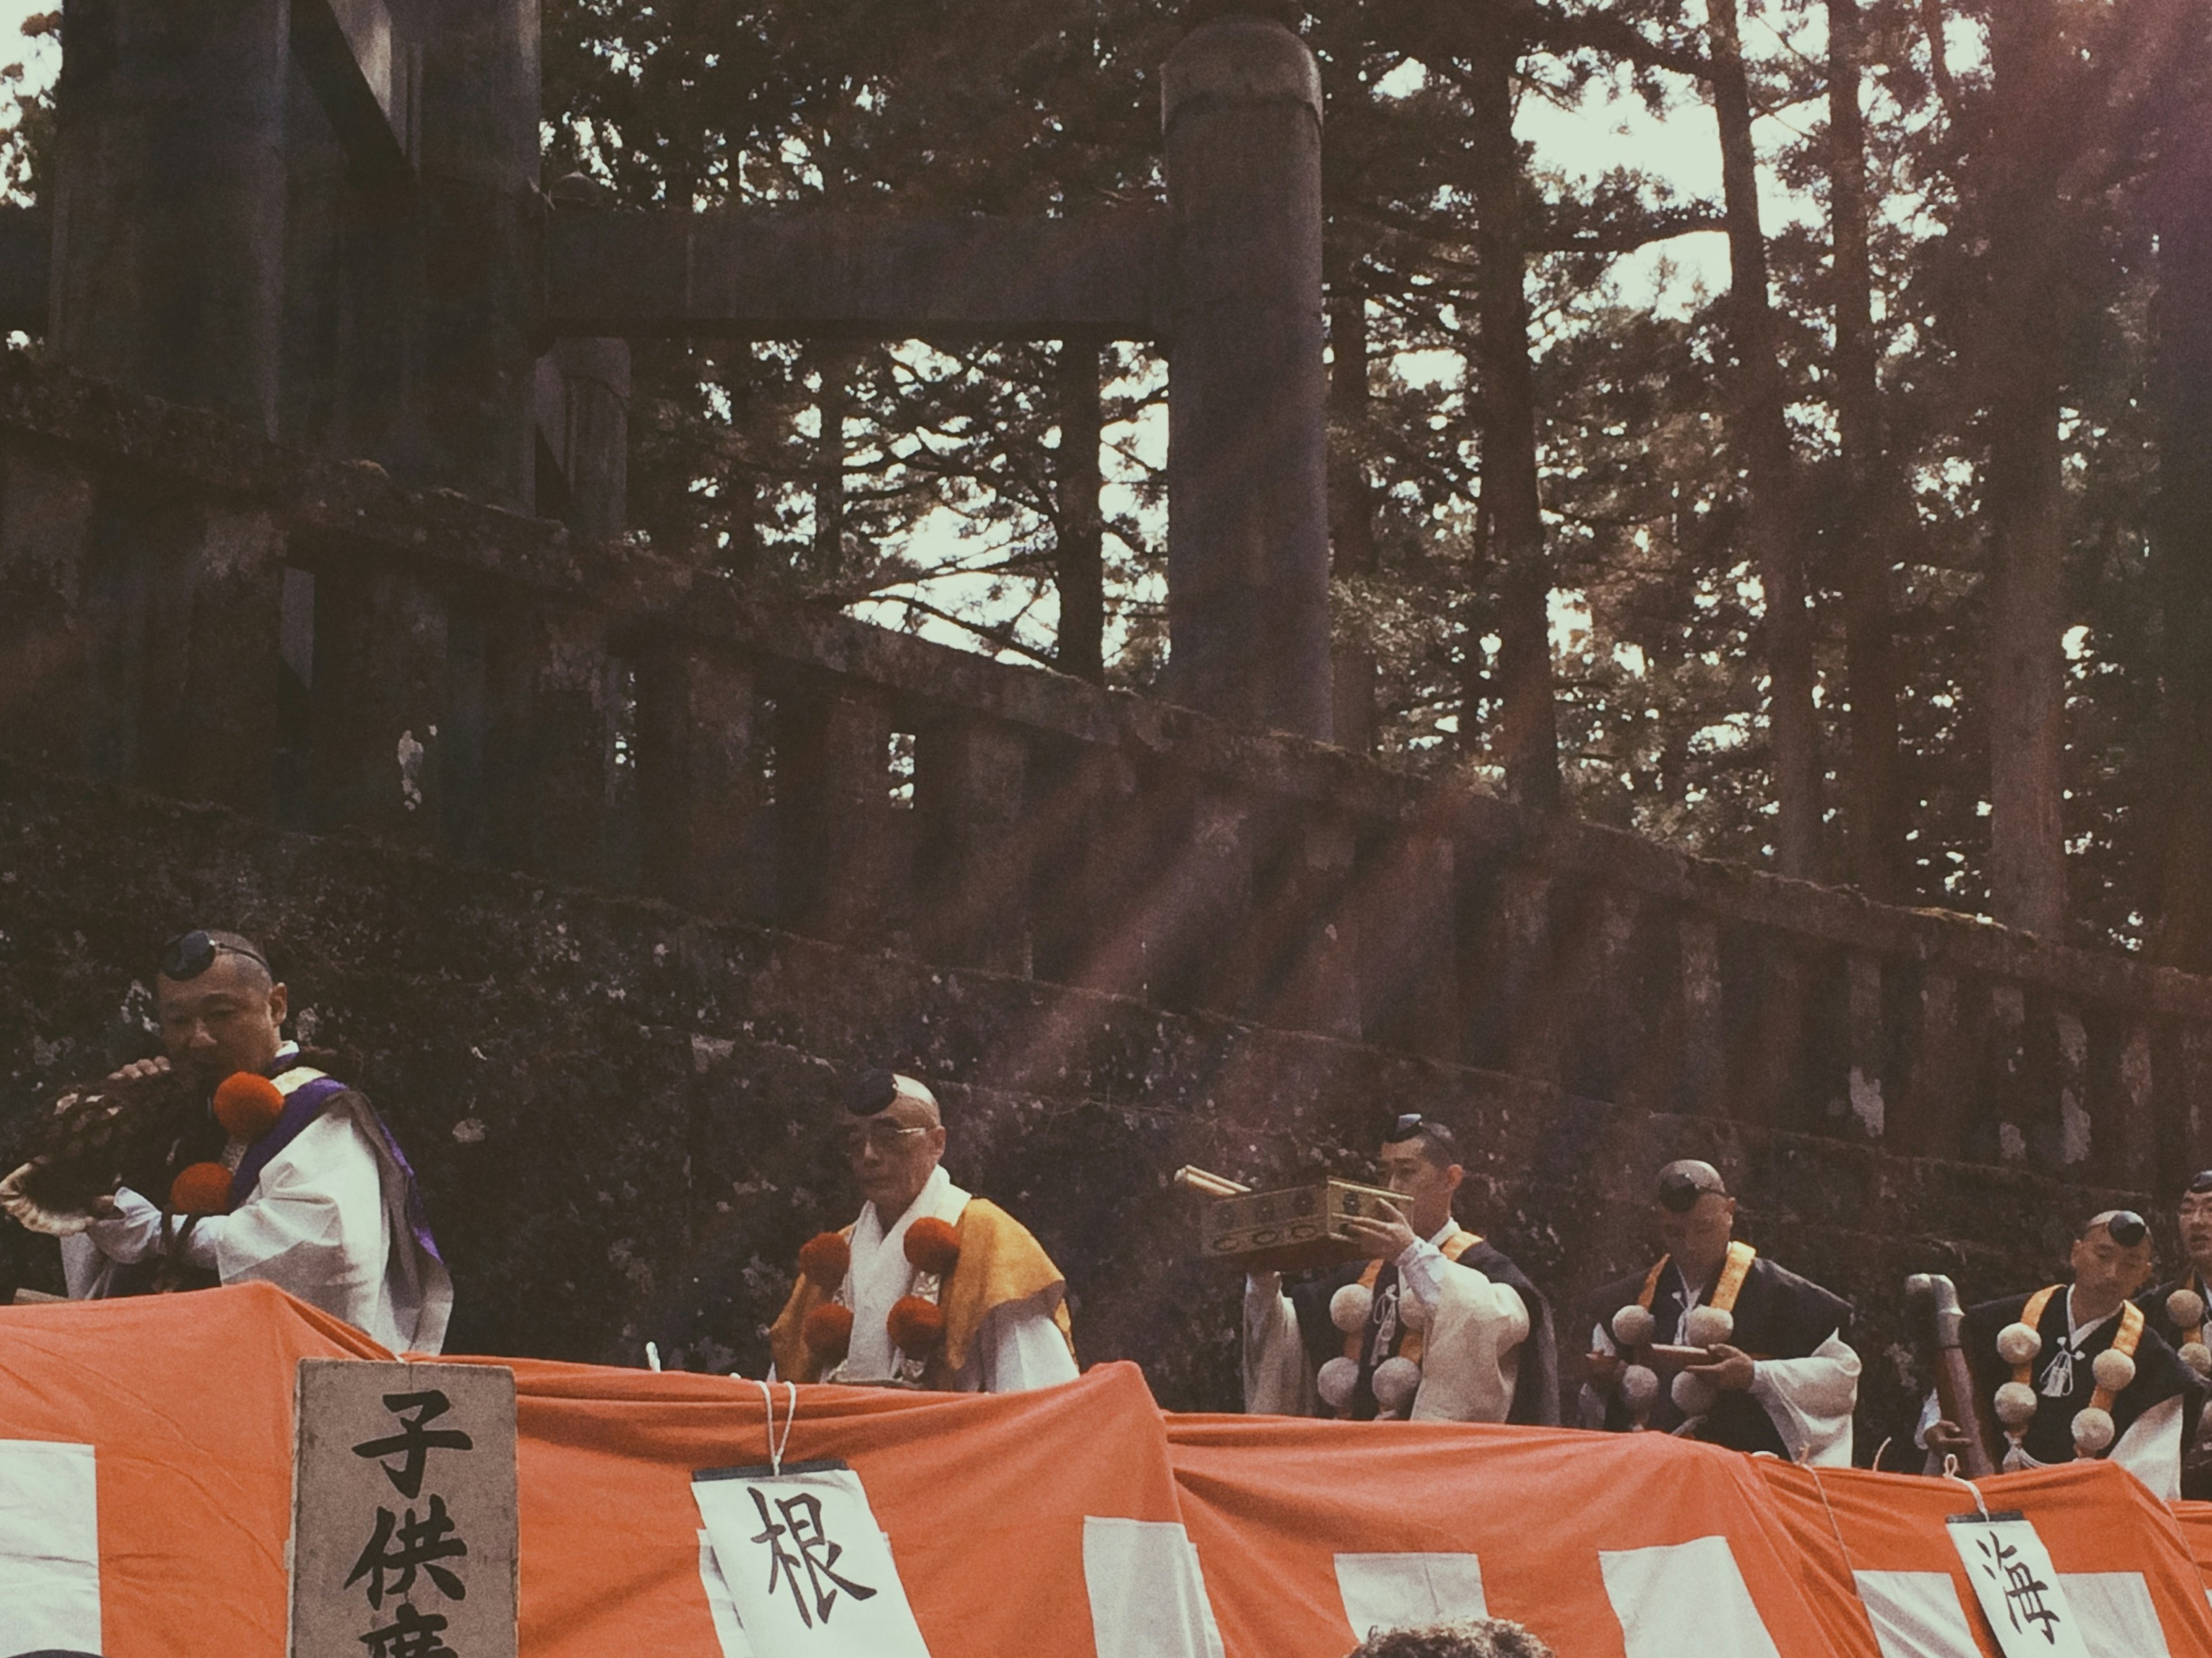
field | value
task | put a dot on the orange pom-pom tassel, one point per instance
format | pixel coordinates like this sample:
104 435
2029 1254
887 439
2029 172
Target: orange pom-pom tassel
933 1246
916 1326
825 1259
248 1105
201 1188
829 1332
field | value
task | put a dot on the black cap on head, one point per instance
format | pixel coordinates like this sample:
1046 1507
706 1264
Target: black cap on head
870 1092
188 954
2202 1184
2124 1226
1438 1143
1682 1183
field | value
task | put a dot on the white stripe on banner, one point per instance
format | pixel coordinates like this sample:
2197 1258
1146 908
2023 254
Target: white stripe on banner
1147 1592
1408 1591
49 1547
1684 1601
1917 1614
2117 1617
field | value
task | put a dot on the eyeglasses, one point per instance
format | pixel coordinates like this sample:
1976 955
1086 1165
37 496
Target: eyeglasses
191 954
885 1137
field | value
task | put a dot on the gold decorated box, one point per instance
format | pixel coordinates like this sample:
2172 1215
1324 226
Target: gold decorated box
1290 1230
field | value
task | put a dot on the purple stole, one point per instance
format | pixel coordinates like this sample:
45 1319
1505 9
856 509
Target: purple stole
302 1106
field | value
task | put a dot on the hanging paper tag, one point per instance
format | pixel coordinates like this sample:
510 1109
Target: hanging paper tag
2019 1594
808 1569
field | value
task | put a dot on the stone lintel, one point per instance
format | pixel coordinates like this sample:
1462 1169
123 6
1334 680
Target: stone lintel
27 235
834 275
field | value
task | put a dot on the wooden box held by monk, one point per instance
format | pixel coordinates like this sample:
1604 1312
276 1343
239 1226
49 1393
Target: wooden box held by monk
1292 1230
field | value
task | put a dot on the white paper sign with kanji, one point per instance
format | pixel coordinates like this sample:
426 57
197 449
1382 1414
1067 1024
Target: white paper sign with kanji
808 1570
2021 1595
404 1511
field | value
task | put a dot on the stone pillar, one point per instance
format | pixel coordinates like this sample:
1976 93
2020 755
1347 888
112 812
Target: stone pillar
973 864
168 252
1322 907
47 638
583 415
835 751
379 698
700 786
1247 520
476 223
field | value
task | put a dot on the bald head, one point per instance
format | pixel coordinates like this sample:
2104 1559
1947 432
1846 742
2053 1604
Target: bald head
894 1139
221 1010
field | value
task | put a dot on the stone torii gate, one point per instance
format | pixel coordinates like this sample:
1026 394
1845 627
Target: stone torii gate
325 219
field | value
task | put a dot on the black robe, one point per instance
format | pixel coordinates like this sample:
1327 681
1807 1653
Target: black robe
2196 1482
2159 1375
2153 1302
1777 1314
1535 1385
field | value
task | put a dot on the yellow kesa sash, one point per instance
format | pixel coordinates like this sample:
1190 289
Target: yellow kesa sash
2126 1340
1409 1346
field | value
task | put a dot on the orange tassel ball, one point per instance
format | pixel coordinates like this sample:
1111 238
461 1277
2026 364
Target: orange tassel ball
201 1188
825 1259
829 1332
933 1246
916 1326
248 1105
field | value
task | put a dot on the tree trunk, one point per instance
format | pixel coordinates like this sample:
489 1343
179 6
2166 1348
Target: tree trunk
1081 570
1874 800
836 406
1351 496
2021 368
1762 436
2181 529
1528 741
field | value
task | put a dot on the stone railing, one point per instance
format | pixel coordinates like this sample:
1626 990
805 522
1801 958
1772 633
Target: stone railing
192 610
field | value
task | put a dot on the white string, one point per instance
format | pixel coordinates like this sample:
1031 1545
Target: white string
775 1447
1951 1472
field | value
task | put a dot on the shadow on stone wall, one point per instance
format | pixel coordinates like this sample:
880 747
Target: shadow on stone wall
622 1113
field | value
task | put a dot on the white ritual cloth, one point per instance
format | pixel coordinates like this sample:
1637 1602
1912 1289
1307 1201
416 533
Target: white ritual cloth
326 1221
1470 1352
1019 1346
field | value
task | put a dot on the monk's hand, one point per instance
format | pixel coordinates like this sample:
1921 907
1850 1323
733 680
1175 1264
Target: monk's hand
1382 1235
1946 1438
1605 1371
1729 1369
137 1069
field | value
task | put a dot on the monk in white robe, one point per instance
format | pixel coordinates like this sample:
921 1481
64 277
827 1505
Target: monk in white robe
931 1287
1436 1325
322 1203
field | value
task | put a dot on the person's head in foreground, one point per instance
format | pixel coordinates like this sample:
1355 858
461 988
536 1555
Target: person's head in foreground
1475 1637
221 1009
2112 1260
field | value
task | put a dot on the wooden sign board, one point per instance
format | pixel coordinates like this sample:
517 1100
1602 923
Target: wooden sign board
1290 1230
404 1511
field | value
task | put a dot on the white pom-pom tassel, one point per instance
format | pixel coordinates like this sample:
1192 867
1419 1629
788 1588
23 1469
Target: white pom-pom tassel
1336 1383
2198 1356
2113 1369
2015 1404
2093 1430
1639 1388
2016 1460
2019 1343
1708 1327
1634 1326
1349 1307
2186 1309
1413 1311
1396 1382
1694 1394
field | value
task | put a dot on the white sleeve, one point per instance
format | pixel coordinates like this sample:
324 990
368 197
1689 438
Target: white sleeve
1278 1381
1021 1347
1810 1401
2151 1450
1470 1352
133 1233
313 1226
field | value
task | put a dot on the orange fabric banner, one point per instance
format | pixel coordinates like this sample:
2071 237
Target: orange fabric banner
2195 1520
1299 1524
185 1404
2125 1562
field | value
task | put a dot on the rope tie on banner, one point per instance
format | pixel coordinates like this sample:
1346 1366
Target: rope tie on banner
1951 1472
775 1447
